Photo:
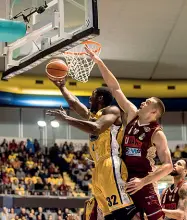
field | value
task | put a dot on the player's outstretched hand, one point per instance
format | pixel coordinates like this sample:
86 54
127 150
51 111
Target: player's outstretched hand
59 114
91 54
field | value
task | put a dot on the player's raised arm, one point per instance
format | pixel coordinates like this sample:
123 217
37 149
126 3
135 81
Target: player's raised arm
113 84
72 100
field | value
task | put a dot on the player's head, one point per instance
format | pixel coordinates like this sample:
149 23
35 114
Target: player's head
152 108
100 98
179 169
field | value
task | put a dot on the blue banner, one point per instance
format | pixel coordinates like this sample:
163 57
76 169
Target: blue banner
19 100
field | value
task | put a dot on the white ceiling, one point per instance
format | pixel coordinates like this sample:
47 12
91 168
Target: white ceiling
144 39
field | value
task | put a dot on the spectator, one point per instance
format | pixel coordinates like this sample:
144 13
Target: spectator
30 146
54 152
23 213
4 158
20 190
177 153
30 186
85 149
66 213
40 212
85 184
16 164
31 216
4 146
12 157
30 163
13 145
15 185
20 174
39 186
4 214
21 146
71 147
36 145
65 147
11 214
50 217
59 212
6 179
2 187
184 152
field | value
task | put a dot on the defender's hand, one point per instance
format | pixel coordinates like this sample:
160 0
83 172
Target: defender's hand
134 185
92 55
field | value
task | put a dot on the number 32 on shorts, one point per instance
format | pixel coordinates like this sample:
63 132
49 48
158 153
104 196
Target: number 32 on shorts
111 200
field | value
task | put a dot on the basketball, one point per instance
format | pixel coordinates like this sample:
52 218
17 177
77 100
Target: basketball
56 69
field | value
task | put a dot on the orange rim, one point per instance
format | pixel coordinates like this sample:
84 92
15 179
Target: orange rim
83 53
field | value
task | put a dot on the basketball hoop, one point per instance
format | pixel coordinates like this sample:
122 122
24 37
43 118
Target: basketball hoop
79 63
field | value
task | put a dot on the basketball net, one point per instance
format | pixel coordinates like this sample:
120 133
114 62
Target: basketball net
79 63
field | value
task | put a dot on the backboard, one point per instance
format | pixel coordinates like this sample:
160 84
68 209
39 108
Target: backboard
53 27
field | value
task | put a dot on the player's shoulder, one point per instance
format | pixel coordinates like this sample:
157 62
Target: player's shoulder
184 186
111 110
159 134
183 191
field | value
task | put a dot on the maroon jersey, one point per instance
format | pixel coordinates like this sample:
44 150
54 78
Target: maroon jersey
138 149
170 199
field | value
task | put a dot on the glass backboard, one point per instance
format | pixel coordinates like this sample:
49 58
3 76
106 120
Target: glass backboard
53 26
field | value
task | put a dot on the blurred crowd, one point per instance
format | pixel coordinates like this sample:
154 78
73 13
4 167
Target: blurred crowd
180 152
36 214
26 169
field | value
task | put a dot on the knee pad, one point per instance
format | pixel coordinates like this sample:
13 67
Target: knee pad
126 213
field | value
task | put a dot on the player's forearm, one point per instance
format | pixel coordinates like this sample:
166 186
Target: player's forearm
74 103
174 214
158 174
108 77
69 97
86 126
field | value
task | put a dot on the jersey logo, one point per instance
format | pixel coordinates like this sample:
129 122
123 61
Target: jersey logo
147 129
133 152
136 131
141 137
131 141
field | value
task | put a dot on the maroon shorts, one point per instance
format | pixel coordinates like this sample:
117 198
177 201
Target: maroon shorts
146 200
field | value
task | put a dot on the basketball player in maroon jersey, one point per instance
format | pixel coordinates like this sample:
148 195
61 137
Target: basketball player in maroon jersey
143 138
174 198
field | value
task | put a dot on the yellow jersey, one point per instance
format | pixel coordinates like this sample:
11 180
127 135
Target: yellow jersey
106 144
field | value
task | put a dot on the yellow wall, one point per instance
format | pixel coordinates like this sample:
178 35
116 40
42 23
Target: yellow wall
26 85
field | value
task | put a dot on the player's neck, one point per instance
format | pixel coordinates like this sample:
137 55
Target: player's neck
143 120
101 107
94 111
177 180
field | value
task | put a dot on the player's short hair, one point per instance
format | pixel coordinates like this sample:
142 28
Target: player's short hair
160 106
185 160
107 95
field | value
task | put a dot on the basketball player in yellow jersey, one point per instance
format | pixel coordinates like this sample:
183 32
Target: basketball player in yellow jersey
104 124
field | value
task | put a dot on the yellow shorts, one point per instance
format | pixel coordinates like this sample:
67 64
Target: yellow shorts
109 178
